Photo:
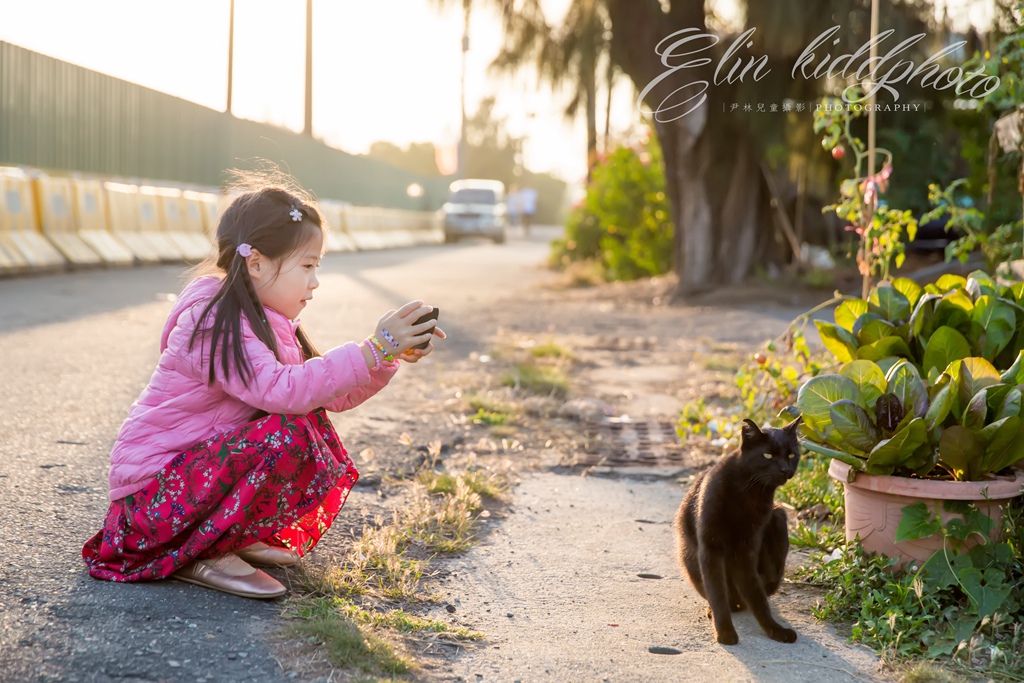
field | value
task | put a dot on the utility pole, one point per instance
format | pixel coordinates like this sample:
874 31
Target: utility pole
231 54
307 128
467 6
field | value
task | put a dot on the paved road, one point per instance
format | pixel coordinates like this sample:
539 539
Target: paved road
75 351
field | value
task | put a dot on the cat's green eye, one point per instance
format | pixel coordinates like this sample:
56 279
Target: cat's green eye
791 456
768 455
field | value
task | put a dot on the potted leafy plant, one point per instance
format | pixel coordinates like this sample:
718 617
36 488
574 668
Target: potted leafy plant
926 406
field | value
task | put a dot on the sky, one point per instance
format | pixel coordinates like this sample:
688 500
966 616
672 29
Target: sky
382 69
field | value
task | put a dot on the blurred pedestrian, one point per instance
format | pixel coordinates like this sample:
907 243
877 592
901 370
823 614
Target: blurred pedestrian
528 207
228 459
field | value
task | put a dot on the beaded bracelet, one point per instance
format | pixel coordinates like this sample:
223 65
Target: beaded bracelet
388 338
376 356
380 347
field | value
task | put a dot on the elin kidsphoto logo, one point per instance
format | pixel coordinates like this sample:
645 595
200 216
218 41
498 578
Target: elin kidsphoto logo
681 52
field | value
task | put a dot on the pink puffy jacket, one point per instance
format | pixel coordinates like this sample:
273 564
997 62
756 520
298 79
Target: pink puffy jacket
178 408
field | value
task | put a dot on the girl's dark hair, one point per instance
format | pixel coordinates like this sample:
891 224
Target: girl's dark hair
260 217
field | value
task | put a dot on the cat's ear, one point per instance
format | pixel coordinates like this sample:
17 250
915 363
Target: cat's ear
793 426
751 432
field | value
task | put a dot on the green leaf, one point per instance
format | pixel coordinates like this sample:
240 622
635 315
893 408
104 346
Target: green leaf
904 382
851 460
909 289
941 402
982 283
874 330
987 591
954 309
944 346
961 450
837 340
869 378
1017 291
971 376
1010 406
848 311
864 319
887 302
949 282
974 414
885 364
923 312
815 401
1006 446
937 570
994 396
900 447
917 522
1013 373
854 425
997 322
887 346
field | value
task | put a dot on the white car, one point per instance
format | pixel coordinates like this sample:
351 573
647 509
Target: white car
475 208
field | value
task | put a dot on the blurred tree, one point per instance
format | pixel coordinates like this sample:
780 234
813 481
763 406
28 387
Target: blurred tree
717 157
566 55
418 157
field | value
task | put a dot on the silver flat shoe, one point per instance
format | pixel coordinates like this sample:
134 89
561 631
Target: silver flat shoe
263 555
231 574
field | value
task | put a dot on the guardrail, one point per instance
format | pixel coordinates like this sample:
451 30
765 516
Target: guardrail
50 222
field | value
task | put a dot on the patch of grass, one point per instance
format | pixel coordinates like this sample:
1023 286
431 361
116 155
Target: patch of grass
444 524
333 607
488 405
551 349
539 379
486 484
927 672
347 646
812 486
817 537
403 622
489 419
377 564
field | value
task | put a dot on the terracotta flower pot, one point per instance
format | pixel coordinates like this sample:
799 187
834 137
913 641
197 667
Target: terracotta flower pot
874 506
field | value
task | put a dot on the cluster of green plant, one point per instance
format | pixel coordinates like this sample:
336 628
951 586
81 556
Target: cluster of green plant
538 378
930 377
624 222
997 244
997 231
767 383
965 603
881 229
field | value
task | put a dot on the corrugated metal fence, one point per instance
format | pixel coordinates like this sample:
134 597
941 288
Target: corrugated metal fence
59 116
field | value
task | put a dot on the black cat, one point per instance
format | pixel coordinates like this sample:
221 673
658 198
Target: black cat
732 539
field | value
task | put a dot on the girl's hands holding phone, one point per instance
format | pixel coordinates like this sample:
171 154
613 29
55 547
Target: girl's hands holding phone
398 333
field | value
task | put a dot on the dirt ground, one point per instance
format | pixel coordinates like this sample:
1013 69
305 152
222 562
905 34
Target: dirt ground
552 582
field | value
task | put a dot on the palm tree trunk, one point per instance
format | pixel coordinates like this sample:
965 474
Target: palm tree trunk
609 84
712 170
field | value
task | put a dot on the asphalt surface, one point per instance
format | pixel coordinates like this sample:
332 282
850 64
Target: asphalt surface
76 349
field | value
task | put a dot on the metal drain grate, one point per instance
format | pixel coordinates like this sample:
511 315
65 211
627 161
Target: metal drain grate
620 442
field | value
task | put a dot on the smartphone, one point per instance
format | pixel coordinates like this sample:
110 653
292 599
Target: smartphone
429 316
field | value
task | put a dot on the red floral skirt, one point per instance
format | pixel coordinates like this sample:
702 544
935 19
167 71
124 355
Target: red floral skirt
281 479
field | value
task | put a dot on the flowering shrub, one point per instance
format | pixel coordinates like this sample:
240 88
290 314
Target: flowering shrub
624 222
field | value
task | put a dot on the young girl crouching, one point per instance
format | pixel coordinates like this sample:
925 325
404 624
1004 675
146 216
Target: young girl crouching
228 458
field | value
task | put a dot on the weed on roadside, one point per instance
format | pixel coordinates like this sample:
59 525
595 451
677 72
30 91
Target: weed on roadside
353 608
812 485
538 379
347 646
551 349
